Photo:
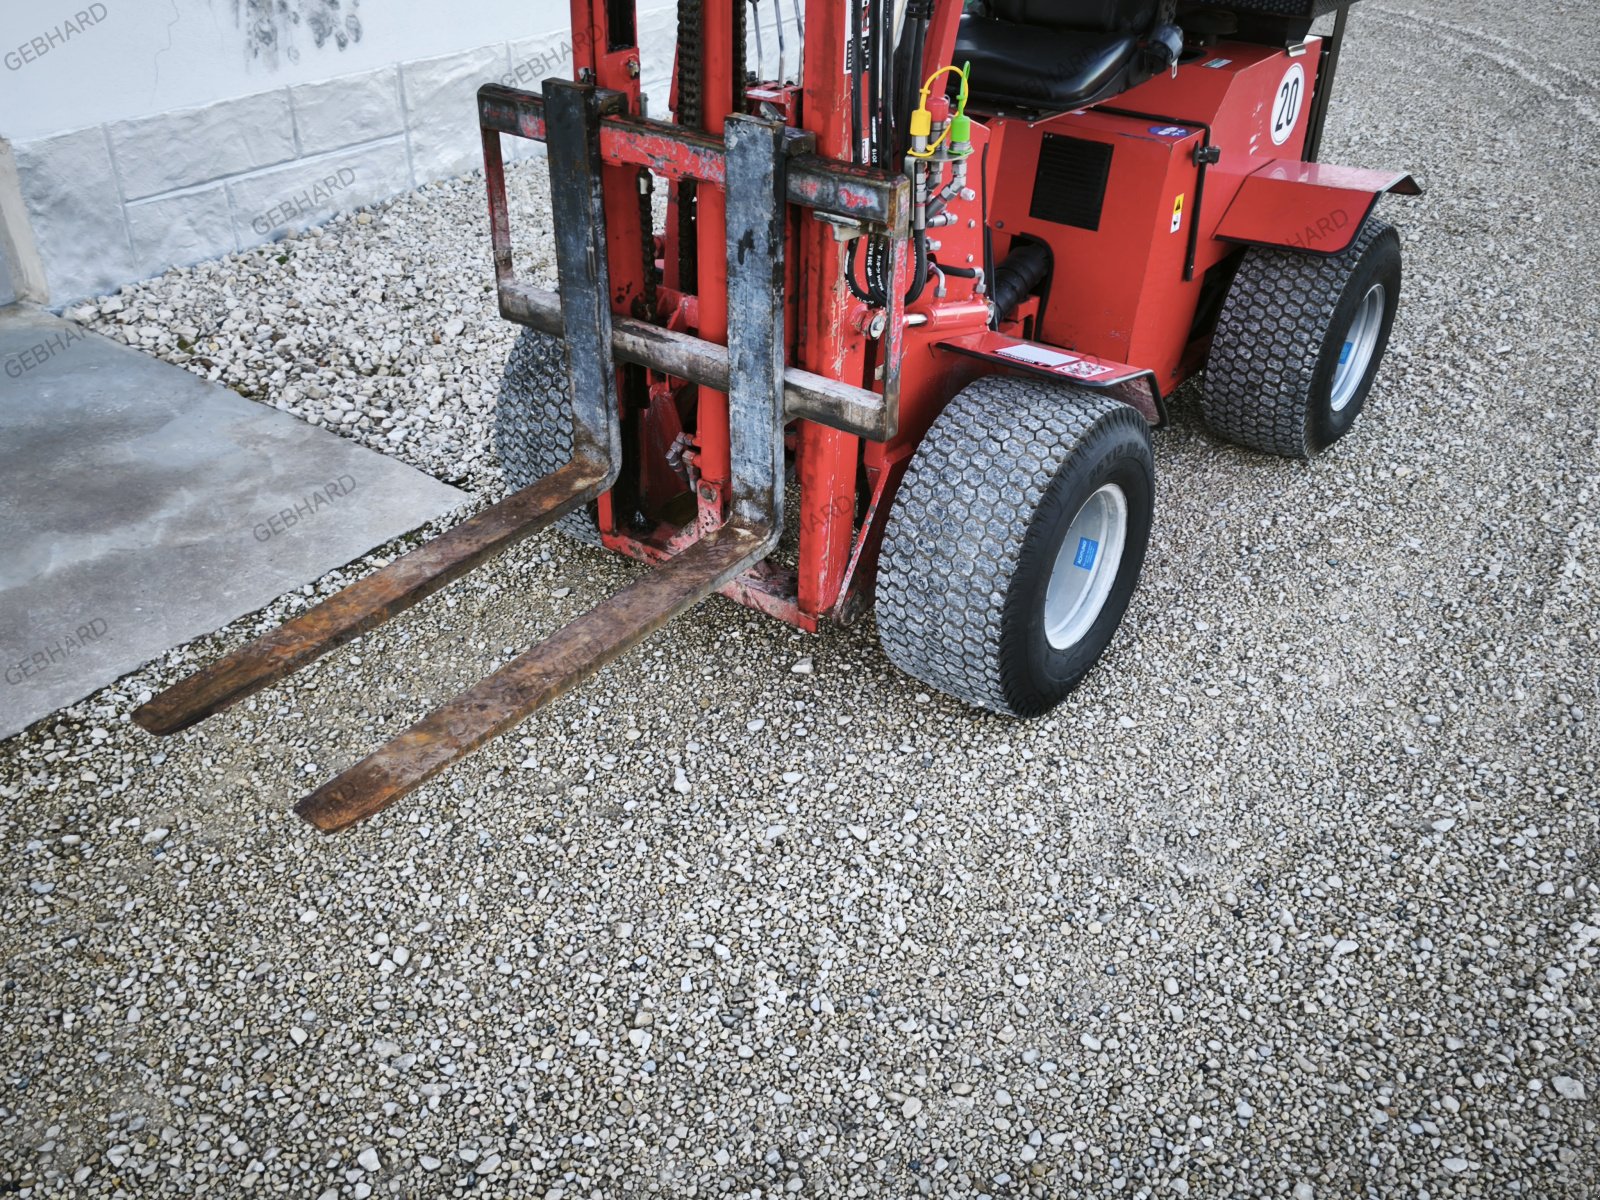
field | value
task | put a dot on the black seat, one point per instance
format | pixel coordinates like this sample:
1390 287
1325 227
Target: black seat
1059 54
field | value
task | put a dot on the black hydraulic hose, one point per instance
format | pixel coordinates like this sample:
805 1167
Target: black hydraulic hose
877 264
988 237
958 272
856 55
887 124
908 62
882 88
919 277
874 293
866 297
1021 271
876 20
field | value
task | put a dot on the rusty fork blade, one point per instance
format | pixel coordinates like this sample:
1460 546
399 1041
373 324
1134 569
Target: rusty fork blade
371 601
568 657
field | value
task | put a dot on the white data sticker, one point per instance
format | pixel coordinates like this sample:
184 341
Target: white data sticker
1055 360
850 41
1286 106
1039 356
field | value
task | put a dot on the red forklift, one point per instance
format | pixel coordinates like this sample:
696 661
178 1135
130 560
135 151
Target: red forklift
922 303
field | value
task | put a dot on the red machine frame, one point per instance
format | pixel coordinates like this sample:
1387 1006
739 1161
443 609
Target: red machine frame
1136 322
689 395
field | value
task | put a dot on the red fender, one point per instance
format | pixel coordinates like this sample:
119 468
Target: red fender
1312 207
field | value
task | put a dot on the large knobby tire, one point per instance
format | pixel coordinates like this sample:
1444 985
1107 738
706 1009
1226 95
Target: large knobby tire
1299 341
533 423
978 574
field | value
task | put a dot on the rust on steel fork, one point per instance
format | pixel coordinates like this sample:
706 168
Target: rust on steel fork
553 667
756 154
755 238
573 113
369 602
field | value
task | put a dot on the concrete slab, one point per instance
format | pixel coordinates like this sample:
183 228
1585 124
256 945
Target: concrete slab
141 506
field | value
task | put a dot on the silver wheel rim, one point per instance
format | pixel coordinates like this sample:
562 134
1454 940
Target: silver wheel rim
1086 567
1355 354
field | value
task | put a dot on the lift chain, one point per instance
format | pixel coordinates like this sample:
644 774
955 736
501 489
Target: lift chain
691 76
740 56
691 63
645 308
691 114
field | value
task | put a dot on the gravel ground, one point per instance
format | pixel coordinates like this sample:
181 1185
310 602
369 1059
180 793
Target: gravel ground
1296 897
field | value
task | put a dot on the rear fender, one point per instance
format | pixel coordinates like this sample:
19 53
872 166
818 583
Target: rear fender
1311 207
1134 386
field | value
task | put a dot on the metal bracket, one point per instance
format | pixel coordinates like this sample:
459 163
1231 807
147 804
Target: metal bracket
842 228
756 225
577 207
757 156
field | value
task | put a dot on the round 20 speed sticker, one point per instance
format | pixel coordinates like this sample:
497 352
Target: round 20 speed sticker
1286 106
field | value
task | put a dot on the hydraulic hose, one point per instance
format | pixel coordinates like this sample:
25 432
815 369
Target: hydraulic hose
882 86
919 277
857 47
908 62
1018 274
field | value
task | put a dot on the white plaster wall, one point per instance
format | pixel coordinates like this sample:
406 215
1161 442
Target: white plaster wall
159 133
151 56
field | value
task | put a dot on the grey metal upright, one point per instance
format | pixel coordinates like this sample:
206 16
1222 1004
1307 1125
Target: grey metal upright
756 223
577 210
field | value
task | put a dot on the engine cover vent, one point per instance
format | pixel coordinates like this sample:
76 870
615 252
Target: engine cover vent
1070 187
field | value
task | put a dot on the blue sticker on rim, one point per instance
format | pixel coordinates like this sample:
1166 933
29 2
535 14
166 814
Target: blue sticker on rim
1344 353
1088 549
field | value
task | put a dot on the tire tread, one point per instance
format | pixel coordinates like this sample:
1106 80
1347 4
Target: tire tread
533 422
973 488
1259 378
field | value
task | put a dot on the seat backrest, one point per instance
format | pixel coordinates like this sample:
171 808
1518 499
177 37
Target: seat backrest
1086 16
